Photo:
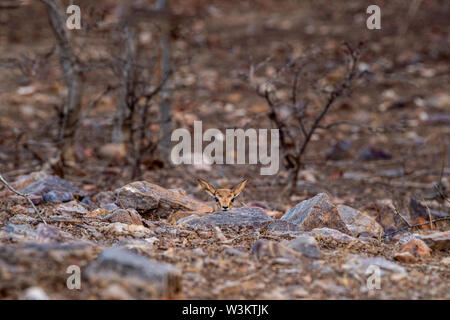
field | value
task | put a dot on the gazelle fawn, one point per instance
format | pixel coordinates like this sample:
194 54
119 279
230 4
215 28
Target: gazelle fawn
224 197
224 200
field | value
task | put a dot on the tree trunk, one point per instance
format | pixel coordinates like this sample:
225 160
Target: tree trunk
72 74
122 120
165 107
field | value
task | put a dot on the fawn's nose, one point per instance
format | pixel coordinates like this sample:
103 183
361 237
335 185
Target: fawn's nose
224 208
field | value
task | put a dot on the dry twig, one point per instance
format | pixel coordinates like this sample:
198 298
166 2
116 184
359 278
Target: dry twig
22 195
414 226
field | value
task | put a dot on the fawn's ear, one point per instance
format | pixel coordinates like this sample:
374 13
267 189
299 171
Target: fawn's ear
238 189
207 187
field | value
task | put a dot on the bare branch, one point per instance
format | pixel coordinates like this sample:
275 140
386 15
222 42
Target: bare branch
415 225
23 195
293 146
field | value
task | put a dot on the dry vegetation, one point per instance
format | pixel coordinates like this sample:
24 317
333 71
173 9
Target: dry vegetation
364 116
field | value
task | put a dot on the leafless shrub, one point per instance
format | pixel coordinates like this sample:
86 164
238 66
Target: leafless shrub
137 90
29 66
69 115
308 83
138 76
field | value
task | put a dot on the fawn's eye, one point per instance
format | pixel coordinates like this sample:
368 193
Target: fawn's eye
217 199
232 200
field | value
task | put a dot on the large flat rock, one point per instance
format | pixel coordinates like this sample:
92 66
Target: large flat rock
362 265
22 182
139 276
31 264
48 184
332 234
240 217
307 245
147 197
437 240
17 233
272 250
316 212
42 187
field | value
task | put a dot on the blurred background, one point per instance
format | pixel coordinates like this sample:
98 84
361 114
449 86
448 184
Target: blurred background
97 105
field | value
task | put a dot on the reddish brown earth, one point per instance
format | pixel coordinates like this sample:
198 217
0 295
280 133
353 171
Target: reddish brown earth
402 108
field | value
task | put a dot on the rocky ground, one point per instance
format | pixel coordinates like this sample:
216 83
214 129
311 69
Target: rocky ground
386 166
126 249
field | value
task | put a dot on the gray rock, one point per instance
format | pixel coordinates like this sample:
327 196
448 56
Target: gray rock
115 292
50 234
273 250
92 230
35 293
86 201
140 276
52 196
330 287
25 265
119 229
437 240
316 212
195 277
235 252
37 252
306 245
405 237
110 206
71 208
138 245
161 230
50 183
103 198
198 252
146 197
360 265
21 219
56 196
446 261
358 222
17 233
326 271
332 234
22 182
283 226
239 217
297 292
316 265
129 216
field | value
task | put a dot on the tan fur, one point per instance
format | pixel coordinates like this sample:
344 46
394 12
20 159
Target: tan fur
224 197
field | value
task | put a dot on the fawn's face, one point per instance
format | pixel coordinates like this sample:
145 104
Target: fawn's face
224 197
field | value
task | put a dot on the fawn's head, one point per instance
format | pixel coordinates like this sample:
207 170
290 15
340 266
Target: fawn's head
224 197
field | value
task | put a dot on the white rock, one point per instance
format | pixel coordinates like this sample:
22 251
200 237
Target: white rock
35 293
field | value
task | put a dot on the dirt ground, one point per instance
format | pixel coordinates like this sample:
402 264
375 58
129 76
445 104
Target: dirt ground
402 108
